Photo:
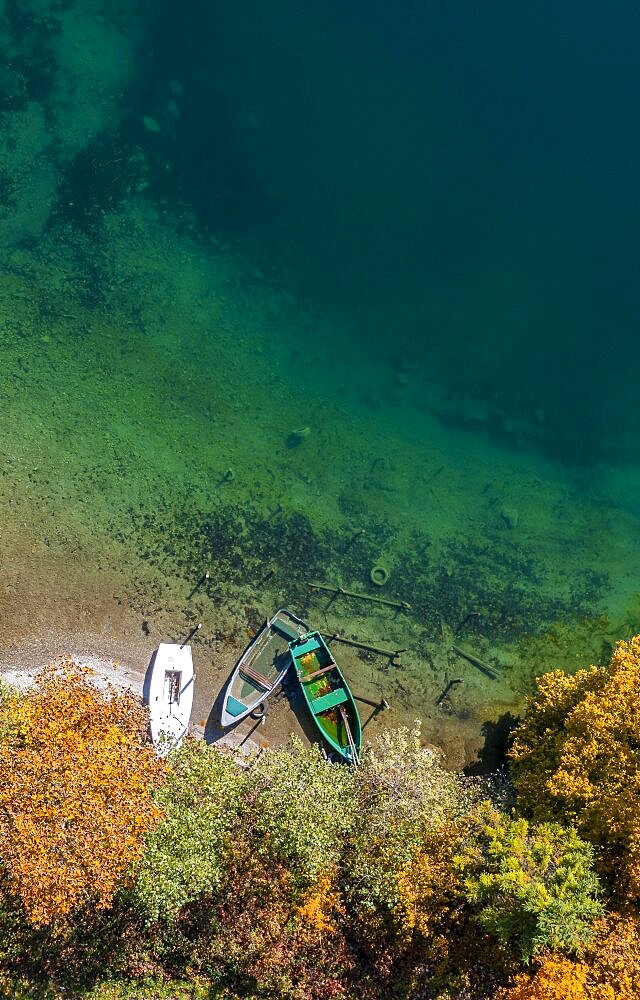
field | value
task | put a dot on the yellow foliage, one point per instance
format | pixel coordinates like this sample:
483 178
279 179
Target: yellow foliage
429 882
75 792
576 756
610 969
614 959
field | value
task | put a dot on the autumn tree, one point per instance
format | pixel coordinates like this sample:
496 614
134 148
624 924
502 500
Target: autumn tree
76 773
402 790
244 869
613 958
259 941
399 881
429 887
609 968
576 756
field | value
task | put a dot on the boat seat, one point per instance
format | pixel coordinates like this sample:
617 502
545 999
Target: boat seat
317 673
235 707
256 677
288 631
309 645
329 701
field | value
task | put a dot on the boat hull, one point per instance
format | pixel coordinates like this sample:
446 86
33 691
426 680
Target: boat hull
170 696
328 698
261 667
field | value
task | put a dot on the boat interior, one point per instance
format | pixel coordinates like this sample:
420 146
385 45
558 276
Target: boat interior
172 680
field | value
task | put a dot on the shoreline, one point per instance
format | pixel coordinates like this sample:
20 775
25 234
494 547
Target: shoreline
285 715
113 509
128 671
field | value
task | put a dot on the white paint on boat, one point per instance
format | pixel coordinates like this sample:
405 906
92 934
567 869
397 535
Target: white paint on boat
170 696
261 667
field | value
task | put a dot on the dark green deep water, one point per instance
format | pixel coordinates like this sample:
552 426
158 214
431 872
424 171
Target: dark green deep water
292 290
463 179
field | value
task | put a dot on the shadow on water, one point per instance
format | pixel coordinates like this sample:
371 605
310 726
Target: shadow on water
498 737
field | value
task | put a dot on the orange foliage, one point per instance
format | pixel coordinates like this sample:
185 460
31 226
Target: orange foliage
320 906
289 949
75 779
556 979
610 969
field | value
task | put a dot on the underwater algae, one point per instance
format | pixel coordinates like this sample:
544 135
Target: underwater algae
125 414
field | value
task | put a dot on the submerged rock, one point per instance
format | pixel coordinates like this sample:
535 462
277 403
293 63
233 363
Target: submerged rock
150 123
510 516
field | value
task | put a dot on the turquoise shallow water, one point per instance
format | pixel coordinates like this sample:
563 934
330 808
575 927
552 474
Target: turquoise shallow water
288 296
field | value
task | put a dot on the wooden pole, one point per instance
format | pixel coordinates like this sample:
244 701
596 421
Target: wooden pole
484 668
196 628
336 591
393 654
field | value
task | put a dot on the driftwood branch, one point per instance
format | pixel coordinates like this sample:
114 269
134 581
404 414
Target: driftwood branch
483 667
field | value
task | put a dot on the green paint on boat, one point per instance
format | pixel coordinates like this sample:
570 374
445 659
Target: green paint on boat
327 695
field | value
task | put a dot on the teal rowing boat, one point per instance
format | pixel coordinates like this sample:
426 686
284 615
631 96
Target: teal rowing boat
327 694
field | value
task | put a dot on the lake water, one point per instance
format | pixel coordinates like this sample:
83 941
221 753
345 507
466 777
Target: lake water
323 293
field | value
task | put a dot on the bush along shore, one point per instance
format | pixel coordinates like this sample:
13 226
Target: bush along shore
126 876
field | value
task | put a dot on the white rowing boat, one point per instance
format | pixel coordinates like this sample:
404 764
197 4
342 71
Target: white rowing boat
170 695
262 666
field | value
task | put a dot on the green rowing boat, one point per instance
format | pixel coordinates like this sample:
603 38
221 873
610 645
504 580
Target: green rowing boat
327 694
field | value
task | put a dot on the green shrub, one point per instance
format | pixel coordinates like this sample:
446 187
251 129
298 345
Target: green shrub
185 856
7 690
152 989
301 809
532 886
402 791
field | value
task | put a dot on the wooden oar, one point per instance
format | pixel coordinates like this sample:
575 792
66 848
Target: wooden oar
354 753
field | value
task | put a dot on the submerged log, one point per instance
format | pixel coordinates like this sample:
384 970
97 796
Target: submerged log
484 668
336 591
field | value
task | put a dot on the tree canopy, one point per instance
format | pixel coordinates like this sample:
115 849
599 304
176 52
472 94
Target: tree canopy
293 879
576 757
302 807
187 853
76 773
533 886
